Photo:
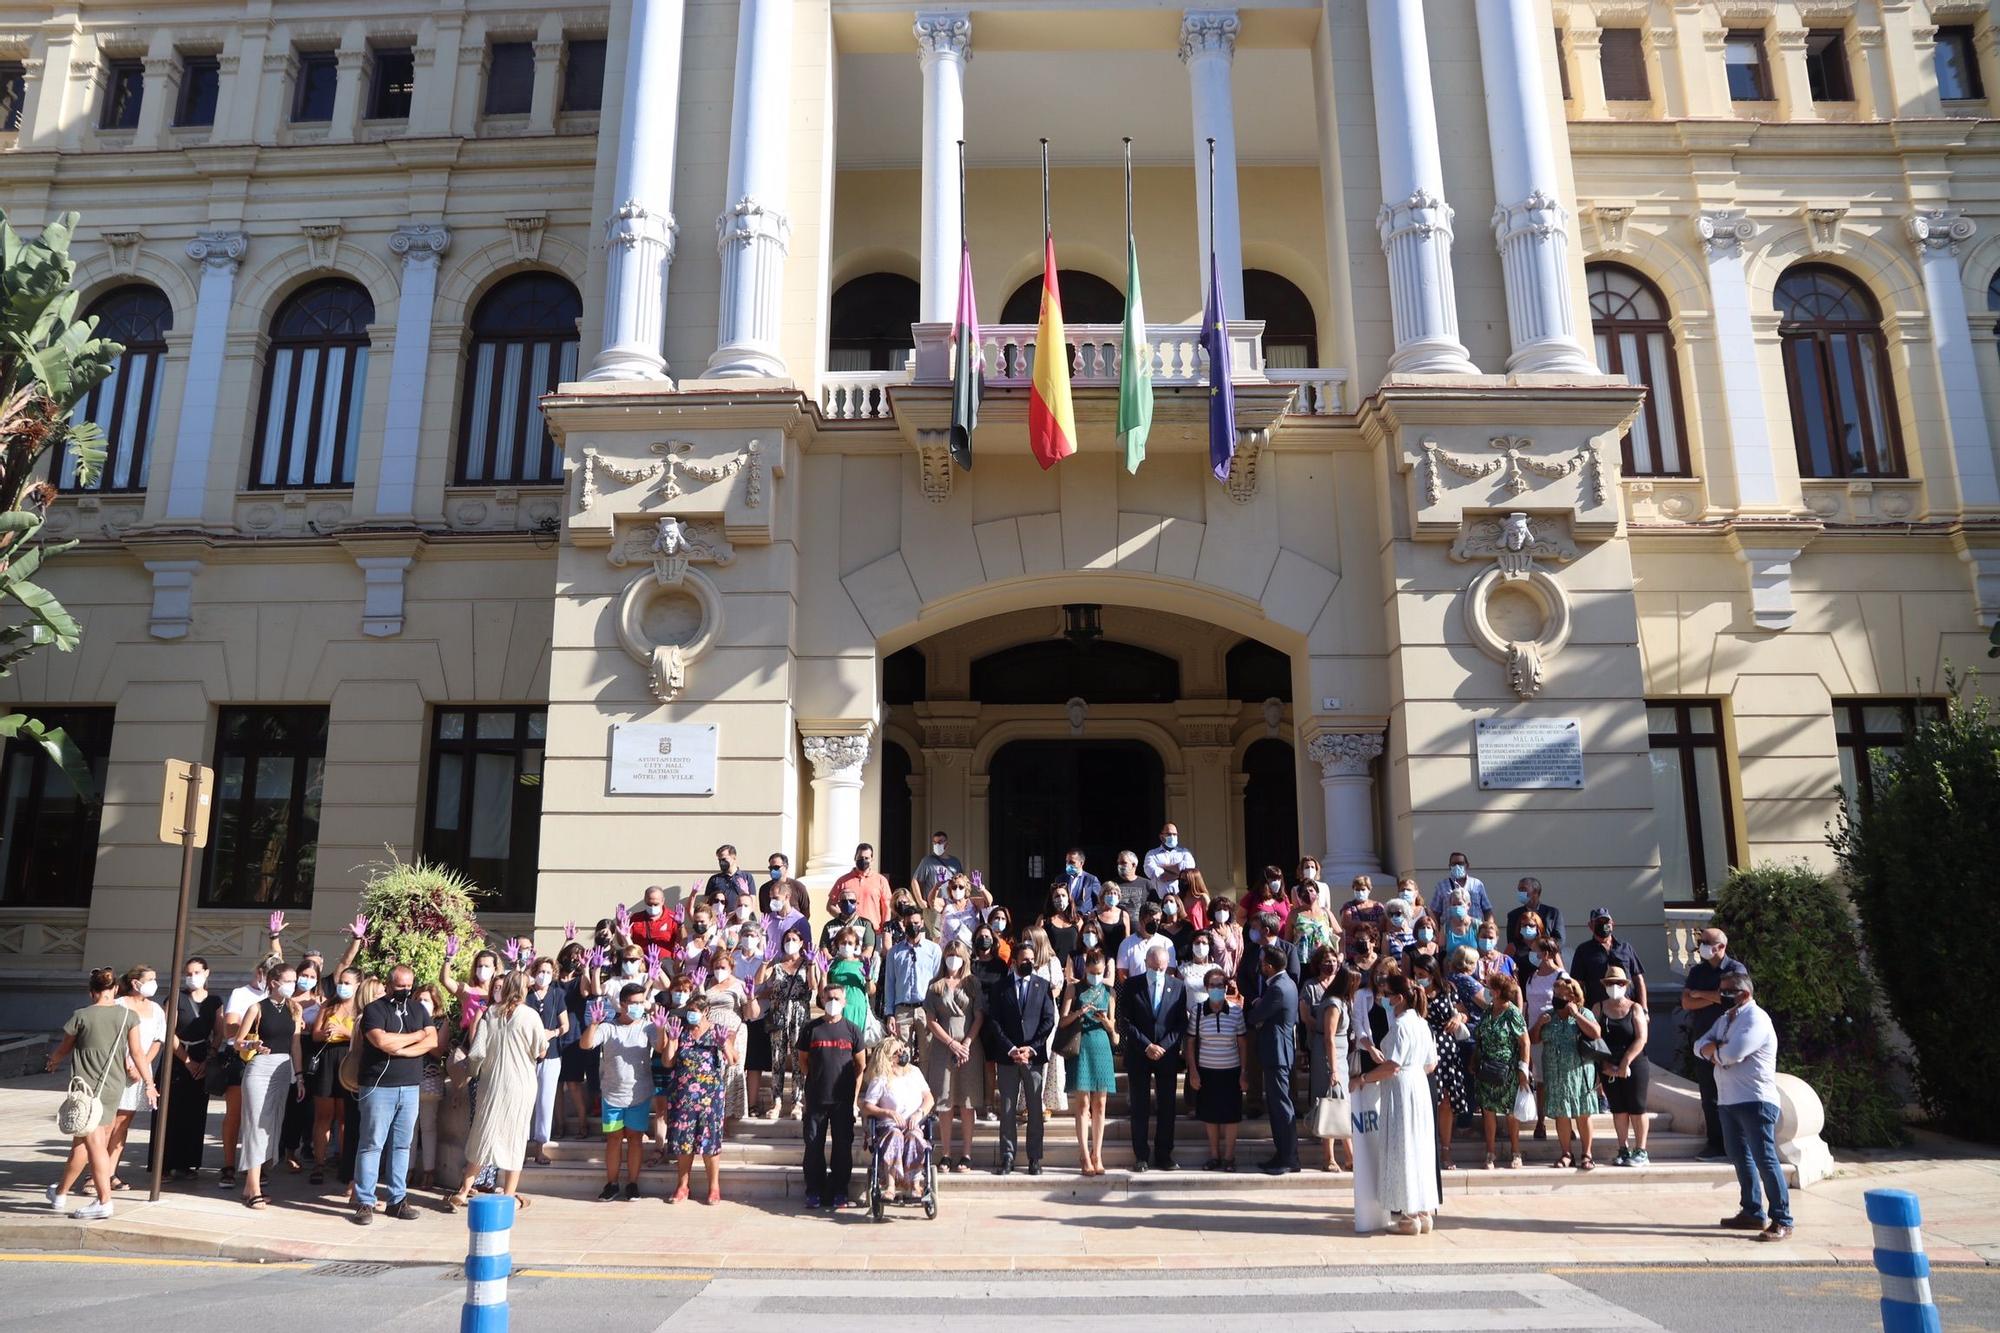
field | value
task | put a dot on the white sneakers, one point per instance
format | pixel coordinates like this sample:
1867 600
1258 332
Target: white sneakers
90 1212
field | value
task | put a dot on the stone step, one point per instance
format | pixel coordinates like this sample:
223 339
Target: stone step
1058 1182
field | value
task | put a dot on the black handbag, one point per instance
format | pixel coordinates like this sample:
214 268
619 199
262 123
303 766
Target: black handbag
1593 1049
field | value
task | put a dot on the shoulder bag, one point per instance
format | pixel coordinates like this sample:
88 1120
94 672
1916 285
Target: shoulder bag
82 1108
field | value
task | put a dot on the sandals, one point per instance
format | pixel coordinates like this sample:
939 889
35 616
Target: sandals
118 1184
1489 1161
1515 1164
257 1201
1586 1164
318 1176
454 1202
521 1202
1561 1162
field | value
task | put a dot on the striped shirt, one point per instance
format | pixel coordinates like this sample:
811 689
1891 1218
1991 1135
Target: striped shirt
1215 1037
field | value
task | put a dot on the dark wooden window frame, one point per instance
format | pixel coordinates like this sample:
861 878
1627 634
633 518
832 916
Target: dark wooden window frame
555 336
1766 89
1850 732
90 728
586 98
147 339
343 431
314 64
1962 38
386 99
1685 740
1273 292
197 72
1818 335
1829 76
1644 329
450 846
501 97
1610 54
124 94
864 315
13 94
292 893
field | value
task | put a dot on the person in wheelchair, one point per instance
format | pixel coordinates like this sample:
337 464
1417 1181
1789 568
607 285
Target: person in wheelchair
897 1101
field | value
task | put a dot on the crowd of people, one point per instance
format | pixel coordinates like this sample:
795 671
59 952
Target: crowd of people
928 1008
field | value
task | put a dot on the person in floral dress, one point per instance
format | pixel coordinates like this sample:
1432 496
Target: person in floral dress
1451 1088
697 1054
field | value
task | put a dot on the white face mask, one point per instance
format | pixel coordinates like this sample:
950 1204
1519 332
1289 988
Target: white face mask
792 948
285 989
1614 992
483 973
1361 895
848 951
146 988
1707 952
953 963
543 980
937 849
1276 885
1200 950
197 980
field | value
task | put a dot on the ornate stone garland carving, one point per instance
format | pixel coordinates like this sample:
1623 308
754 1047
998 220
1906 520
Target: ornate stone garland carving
1515 463
666 474
1499 599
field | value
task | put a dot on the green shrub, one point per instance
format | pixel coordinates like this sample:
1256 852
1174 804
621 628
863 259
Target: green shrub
412 906
1789 925
1920 867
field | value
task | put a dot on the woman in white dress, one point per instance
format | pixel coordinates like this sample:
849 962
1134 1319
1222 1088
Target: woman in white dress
135 992
506 1046
1406 1178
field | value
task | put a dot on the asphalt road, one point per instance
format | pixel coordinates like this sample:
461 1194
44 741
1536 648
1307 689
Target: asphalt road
94 1293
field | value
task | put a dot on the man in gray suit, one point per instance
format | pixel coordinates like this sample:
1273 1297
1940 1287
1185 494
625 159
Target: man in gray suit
1274 1017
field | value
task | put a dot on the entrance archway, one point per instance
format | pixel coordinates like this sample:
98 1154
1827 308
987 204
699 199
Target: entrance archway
1046 796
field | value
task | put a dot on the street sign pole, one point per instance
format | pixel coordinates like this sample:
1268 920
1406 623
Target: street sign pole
196 783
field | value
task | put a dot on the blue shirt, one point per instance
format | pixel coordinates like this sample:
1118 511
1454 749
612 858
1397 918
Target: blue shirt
1085 891
907 972
1481 906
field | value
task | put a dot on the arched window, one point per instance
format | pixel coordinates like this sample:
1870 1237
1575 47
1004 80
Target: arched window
868 323
523 345
1086 299
1053 671
1256 671
125 403
310 418
1629 317
1993 300
1291 333
1837 371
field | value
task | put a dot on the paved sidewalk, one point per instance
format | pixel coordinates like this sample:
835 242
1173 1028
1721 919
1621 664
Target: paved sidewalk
1021 1230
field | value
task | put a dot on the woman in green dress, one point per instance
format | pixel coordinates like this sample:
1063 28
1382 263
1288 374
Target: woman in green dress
1500 1062
1569 1076
104 1039
848 971
1091 1076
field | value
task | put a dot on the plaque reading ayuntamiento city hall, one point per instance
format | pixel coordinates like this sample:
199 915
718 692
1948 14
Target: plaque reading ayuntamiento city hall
1534 752
659 759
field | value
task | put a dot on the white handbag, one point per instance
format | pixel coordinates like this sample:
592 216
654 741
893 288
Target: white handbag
1524 1106
82 1108
1331 1119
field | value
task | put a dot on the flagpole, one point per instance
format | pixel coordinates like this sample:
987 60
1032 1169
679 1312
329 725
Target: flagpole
1128 186
961 194
1046 229
1211 203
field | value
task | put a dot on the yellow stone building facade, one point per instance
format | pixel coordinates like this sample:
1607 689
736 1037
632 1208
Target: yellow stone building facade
429 341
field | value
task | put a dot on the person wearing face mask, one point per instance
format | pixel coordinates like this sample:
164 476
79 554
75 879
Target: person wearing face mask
1174 923
1743 1046
1141 942
1569 1078
868 889
785 993
550 1002
909 965
396 1035
1538 997
1260 933
1020 1019
834 1059
938 867
188 1050
954 1013
1500 1064
225 1070
1312 927
990 970
1602 952
1164 864
297 1126
1361 909
731 881
1111 923
848 971
1218 1066
333 1037
1196 900
1225 928
136 990
1322 1018
1060 921
508 1046
626 1042
1424 947
1701 1005
699 1050
1268 894
1529 900
473 994
1152 1022
958 910
1089 1018
1406 1176
1196 962
778 869
1134 889
274 1069
1461 927
1398 932
652 924
1626 1076
104 1041
1458 875
896 1098
1529 932
1306 875
1492 961
1274 1016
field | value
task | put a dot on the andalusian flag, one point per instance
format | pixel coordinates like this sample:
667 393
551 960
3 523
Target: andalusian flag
1051 423
1135 354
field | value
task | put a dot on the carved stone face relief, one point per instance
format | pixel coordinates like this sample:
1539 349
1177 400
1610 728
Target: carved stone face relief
1515 612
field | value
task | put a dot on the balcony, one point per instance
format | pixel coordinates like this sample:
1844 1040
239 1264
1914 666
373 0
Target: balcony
1095 362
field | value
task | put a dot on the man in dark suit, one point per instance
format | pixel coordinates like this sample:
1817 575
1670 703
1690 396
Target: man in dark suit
1273 1016
1020 1018
1152 1022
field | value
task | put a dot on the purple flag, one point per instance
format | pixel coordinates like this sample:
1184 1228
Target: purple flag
1221 391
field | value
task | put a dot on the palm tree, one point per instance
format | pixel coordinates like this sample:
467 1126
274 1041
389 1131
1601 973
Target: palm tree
48 361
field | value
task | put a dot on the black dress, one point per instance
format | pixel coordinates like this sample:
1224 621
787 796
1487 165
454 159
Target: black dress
187 1111
1626 1095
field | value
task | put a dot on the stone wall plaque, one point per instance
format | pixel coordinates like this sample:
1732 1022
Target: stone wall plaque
662 759
1529 752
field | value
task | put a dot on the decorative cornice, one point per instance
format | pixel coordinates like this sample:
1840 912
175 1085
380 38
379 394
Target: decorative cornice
1209 32
526 230
322 242
1823 223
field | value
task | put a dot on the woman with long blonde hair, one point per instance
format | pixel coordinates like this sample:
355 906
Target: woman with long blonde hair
506 1045
895 1094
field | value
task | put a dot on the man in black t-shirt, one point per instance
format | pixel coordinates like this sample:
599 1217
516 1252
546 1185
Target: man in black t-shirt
396 1033
833 1084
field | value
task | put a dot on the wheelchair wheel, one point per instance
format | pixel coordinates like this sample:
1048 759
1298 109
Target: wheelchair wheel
930 1207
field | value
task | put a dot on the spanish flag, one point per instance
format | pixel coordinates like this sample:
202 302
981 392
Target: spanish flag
1051 423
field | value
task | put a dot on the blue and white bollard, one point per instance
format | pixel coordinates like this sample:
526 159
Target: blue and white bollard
489 1259
1901 1264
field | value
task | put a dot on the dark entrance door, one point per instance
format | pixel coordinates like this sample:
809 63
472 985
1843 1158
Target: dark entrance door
1045 797
1270 810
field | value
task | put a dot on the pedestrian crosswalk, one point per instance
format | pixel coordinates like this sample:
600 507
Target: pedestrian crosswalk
1009 1302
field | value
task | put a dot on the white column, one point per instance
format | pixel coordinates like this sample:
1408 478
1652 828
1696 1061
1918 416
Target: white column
836 810
1530 224
1724 232
1938 234
945 42
1347 787
422 246
1415 220
753 233
641 227
219 253
1208 48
